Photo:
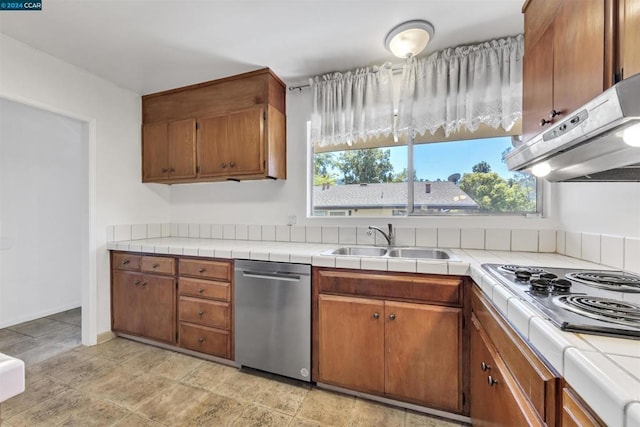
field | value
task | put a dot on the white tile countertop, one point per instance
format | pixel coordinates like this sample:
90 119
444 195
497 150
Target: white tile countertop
604 371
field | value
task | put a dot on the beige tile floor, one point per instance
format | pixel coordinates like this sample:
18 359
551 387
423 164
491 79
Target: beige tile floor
125 383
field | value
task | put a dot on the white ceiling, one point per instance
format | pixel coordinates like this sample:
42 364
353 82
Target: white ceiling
153 45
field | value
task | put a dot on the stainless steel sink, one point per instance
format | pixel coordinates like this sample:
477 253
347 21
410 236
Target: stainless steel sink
422 253
359 251
381 252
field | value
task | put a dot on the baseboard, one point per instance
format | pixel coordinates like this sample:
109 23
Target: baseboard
37 315
105 336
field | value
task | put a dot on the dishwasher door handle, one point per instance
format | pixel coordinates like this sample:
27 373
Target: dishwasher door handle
271 276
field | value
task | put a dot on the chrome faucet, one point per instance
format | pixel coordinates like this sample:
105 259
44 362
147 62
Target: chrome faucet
388 236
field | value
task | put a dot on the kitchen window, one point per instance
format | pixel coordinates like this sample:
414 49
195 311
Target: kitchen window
466 177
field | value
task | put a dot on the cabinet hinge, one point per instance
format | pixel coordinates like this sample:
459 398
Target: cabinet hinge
264 164
264 115
464 323
618 75
197 125
198 169
464 398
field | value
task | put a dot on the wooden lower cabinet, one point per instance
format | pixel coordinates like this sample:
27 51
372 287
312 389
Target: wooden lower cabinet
144 305
576 413
402 350
510 384
205 340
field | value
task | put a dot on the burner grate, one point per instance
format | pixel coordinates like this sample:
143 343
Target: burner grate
609 310
511 268
613 281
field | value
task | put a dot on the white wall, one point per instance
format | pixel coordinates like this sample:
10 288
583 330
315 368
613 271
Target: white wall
600 208
43 195
116 193
269 202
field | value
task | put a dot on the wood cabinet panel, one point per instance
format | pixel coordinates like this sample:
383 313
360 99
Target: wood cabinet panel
579 56
423 348
125 302
496 400
123 261
155 151
205 289
212 142
245 145
216 342
399 286
575 413
537 97
182 149
351 339
629 37
277 143
220 270
158 305
215 314
158 265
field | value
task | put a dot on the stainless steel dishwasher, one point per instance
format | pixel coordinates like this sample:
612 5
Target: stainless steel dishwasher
273 317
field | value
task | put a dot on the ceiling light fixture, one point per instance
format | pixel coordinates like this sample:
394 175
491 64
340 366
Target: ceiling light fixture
409 38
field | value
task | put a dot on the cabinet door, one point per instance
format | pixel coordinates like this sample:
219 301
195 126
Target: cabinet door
182 148
579 56
537 85
423 354
158 307
351 342
212 142
125 303
630 35
245 145
155 154
495 400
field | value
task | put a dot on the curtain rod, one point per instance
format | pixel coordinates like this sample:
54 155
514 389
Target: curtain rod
395 68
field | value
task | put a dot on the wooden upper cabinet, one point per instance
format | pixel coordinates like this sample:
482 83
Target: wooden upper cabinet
232 128
629 37
168 150
568 59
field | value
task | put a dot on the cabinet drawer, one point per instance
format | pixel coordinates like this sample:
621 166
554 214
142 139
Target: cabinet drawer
575 413
210 313
159 265
123 261
400 286
205 289
205 340
220 270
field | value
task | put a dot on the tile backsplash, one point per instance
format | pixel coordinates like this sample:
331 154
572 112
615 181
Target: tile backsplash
615 251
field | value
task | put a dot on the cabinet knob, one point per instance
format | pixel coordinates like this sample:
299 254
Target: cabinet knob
223 165
376 315
231 164
544 122
200 290
201 340
392 316
126 261
137 283
554 113
484 367
165 170
155 265
172 170
201 313
201 270
492 381
143 284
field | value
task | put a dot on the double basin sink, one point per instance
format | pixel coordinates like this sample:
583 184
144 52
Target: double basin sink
393 252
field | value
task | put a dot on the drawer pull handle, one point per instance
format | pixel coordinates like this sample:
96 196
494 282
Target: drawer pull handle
484 367
544 122
376 315
492 381
201 290
201 313
392 316
143 284
137 283
201 340
554 113
126 261
155 265
201 270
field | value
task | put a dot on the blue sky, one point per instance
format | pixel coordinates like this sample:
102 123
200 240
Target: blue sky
439 160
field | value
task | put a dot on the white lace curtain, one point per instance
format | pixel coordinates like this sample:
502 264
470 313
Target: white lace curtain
463 87
456 88
352 106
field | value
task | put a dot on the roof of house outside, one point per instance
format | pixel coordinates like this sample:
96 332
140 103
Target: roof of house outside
440 195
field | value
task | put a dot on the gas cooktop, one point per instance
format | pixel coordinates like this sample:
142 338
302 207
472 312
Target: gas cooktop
589 301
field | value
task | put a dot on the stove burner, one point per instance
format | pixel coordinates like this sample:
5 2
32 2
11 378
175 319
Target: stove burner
561 285
546 275
613 281
608 310
513 268
540 285
523 274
